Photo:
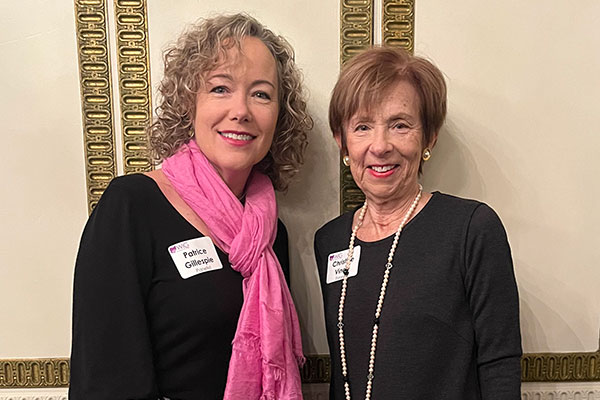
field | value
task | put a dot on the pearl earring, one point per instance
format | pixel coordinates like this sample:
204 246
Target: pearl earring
426 154
346 161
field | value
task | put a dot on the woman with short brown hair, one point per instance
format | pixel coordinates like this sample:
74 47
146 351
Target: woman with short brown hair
419 291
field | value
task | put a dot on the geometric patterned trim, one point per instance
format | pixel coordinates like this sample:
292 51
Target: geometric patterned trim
317 369
134 82
536 367
356 34
96 98
34 373
398 24
560 367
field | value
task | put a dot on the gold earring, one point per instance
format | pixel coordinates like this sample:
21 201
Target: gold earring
426 154
346 161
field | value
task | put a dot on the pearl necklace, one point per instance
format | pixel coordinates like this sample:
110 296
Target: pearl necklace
386 275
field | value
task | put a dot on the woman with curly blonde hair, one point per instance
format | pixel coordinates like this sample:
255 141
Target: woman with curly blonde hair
180 290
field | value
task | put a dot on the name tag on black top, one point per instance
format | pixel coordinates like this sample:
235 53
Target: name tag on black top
195 256
336 262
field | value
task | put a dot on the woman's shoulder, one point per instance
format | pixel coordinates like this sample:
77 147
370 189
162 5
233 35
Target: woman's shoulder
133 190
474 212
134 186
131 184
335 226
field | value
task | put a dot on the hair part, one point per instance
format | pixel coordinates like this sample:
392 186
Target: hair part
367 79
199 50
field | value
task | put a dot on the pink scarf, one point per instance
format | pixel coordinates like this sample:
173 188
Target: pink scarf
267 348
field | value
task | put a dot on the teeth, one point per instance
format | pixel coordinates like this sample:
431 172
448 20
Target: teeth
236 136
382 169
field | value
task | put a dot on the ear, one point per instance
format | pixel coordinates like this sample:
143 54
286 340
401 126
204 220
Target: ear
338 139
433 140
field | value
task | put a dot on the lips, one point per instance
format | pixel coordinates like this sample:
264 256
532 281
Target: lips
383 168
236 135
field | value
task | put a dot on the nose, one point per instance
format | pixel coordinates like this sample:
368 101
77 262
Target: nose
239 110
380 144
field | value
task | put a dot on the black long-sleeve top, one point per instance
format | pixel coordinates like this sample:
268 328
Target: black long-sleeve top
449 326
140 331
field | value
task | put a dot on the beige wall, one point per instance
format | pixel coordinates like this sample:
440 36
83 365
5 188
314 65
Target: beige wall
521 135
43 204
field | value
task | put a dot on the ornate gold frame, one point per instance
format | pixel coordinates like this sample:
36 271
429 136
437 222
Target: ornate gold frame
542 367
96 97
356 34
398 24
132 33
134 82
34 373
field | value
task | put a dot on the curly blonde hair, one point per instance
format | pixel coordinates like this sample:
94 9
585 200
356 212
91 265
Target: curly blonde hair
197 52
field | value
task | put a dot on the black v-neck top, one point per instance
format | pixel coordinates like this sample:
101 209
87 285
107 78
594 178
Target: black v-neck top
140 331
449 326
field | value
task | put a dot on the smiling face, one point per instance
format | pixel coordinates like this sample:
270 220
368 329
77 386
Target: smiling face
236 111
385 145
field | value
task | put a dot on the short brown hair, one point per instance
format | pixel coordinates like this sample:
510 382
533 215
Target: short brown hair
366 79
198 51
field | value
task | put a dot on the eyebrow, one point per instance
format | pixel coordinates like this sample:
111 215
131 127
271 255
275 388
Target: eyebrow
230 78
401 116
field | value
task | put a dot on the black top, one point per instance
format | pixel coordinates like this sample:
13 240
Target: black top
140 331
449 326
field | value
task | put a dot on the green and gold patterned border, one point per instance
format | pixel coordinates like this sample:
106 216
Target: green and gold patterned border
536 367
134 82
356 34
398 24
560 367
34 373
96 97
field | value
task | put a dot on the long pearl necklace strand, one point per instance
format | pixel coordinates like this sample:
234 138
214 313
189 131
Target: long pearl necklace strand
386 275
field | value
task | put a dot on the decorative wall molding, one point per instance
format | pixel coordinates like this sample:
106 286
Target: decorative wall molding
34 394
134 82
34 373
560 367
398 23
320 391
356 34
536 367
317 369
561 391
96 97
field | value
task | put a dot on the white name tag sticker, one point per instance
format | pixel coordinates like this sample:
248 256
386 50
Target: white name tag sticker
336 263
195 256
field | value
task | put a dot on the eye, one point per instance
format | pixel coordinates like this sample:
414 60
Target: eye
262 95
361 128
219 90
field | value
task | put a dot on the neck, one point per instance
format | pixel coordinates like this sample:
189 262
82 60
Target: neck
236 181
383 218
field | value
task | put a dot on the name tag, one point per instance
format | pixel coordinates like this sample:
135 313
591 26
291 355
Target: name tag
195 256
336 263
